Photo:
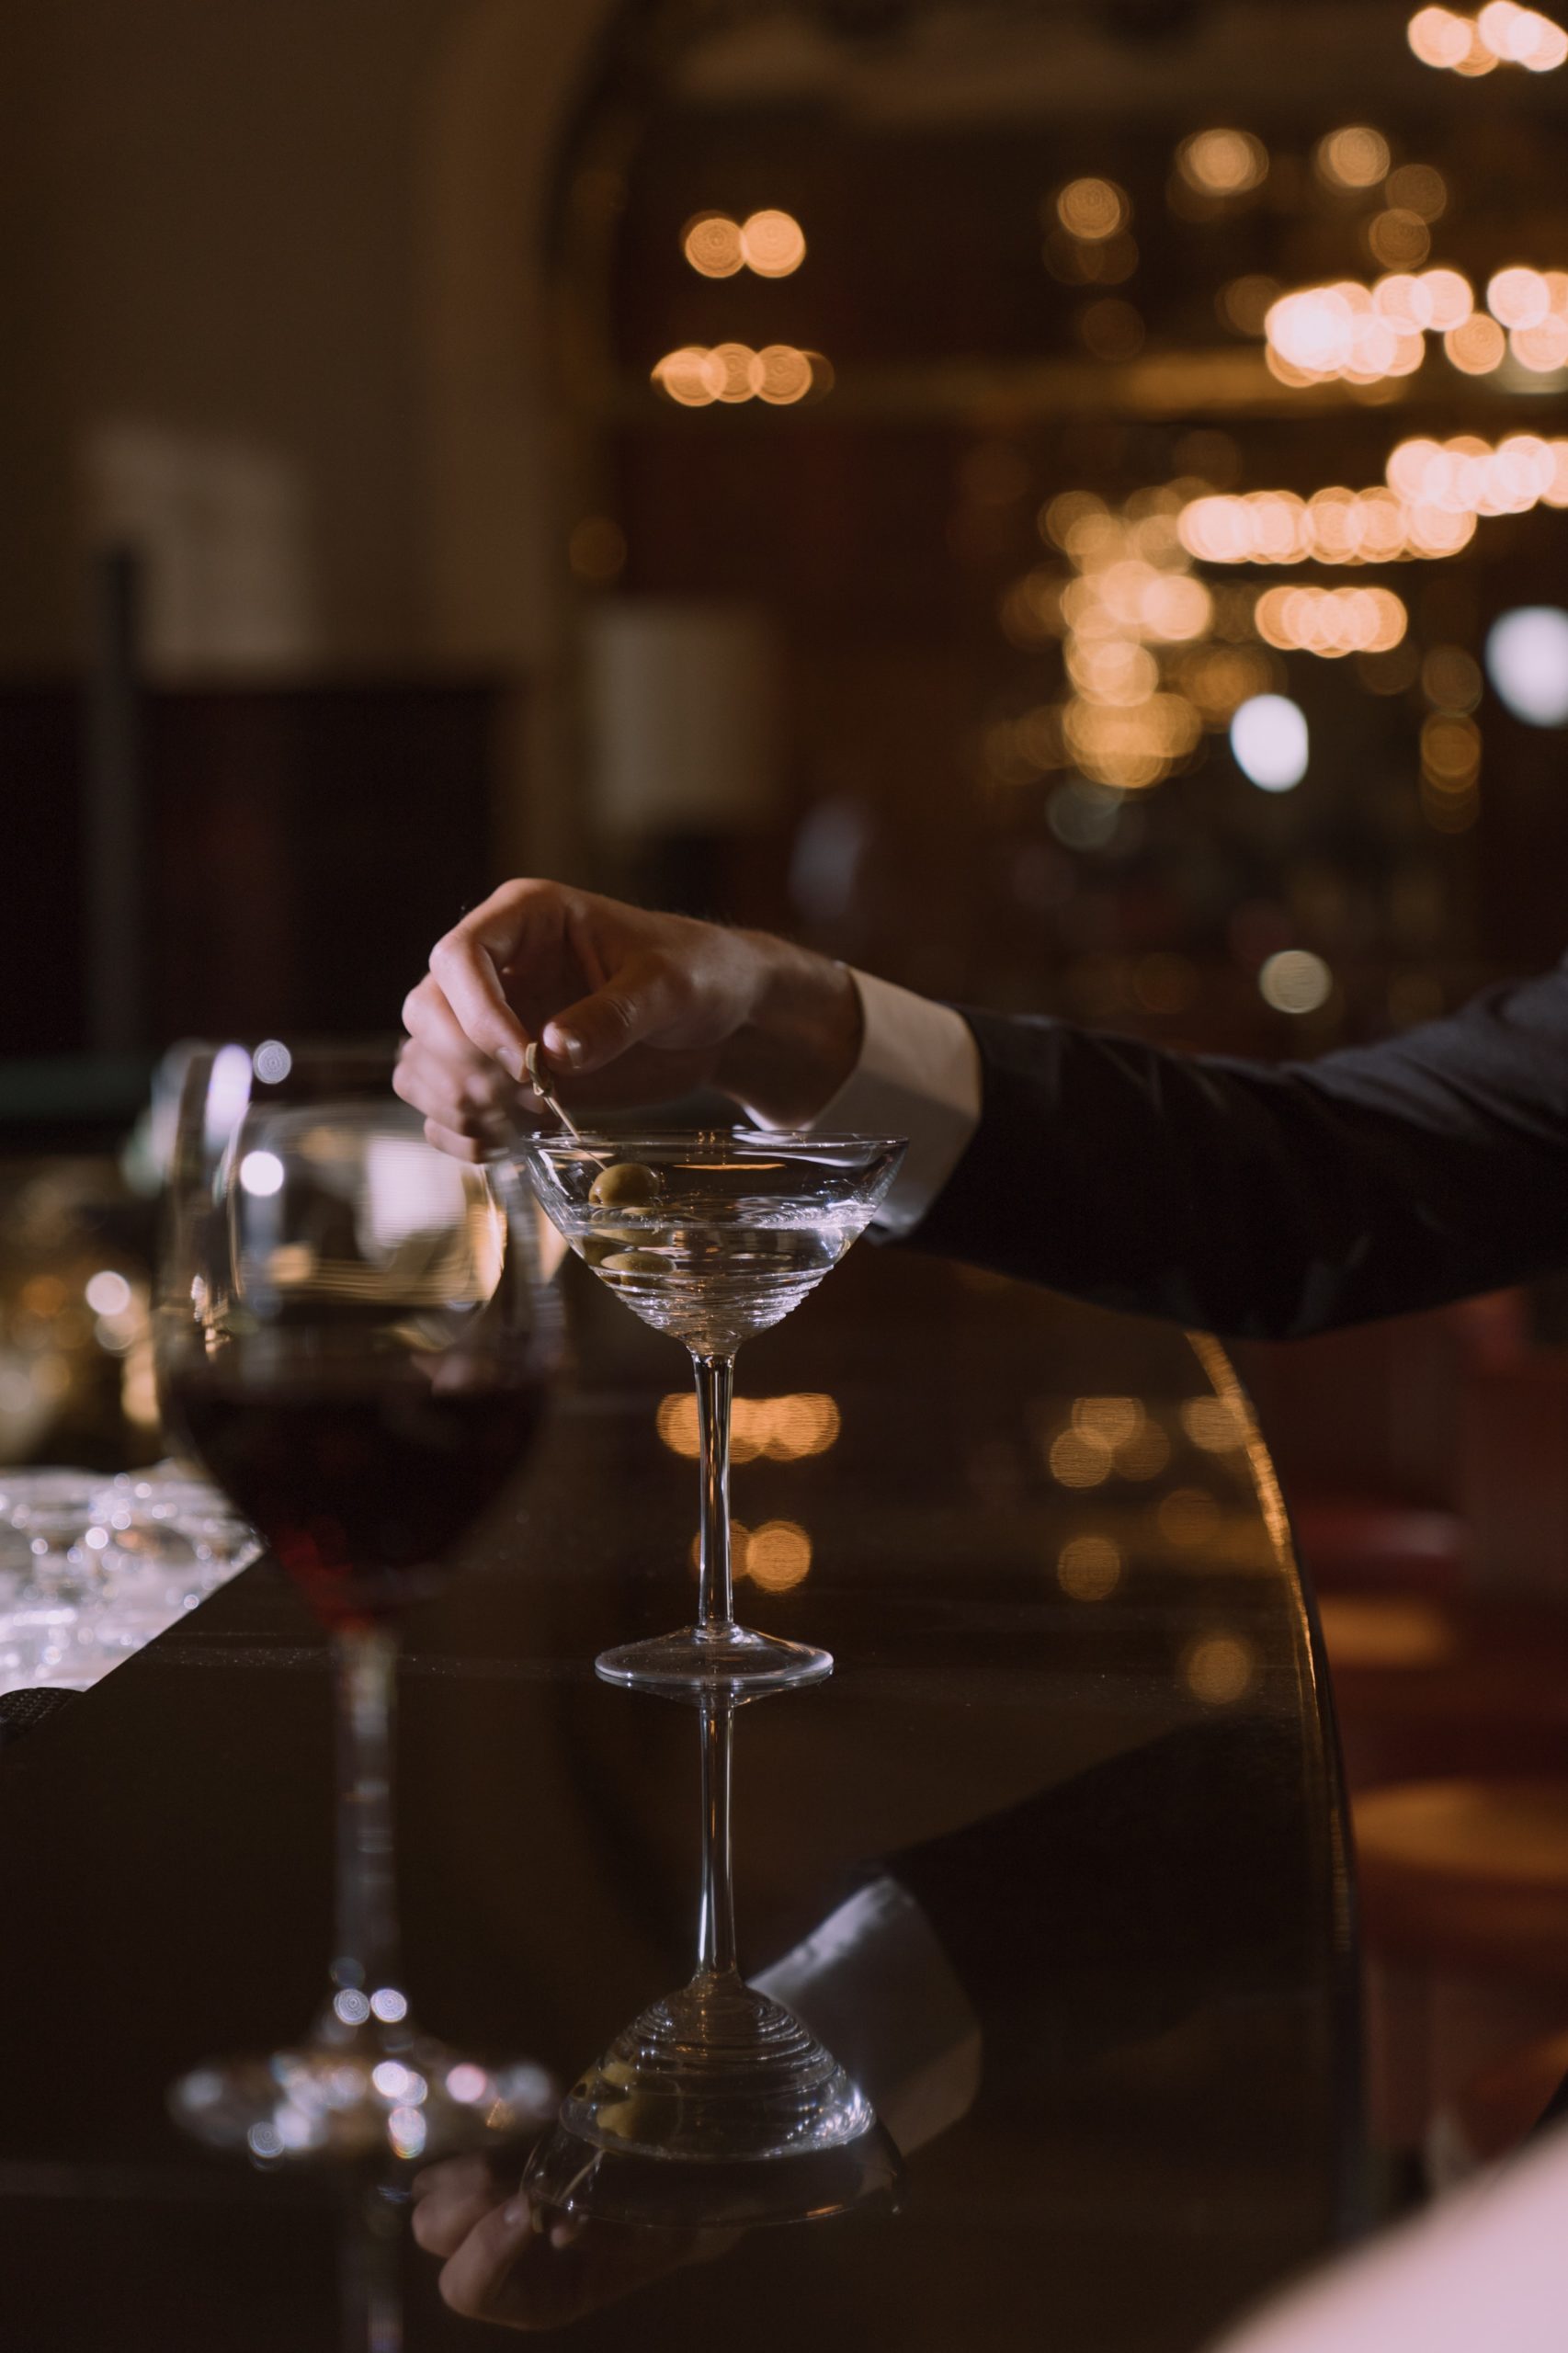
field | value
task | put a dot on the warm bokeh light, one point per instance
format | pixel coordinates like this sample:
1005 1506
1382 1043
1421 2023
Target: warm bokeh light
1245 304
778 1554
1419 188
1518 297
1331 623
1542 348
1077 1461
1111 329
772 243
1088 1568
1451 678
1222 163
1398 238
1354 157
712 243
1217 679
1093 208
732 372
1219 1669
1295 981
1503 34
785 1429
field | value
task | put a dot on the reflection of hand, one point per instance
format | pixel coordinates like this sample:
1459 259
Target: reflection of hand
628 1007
508 2260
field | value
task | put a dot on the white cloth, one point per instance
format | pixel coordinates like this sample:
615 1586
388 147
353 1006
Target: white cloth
918 1075
1484 2271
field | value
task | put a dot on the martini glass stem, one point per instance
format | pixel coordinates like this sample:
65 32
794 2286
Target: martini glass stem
365 1938
715 1589
716 1919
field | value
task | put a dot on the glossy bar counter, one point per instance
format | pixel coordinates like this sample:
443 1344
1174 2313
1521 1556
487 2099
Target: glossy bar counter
1078 1722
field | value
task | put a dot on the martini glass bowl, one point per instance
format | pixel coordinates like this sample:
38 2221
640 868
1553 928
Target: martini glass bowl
712 1236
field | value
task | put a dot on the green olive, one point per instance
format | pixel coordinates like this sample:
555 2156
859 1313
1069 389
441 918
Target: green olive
626 1184
634 1261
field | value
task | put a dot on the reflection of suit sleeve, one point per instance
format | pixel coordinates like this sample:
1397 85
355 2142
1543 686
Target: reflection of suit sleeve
1108 1908
1264 1201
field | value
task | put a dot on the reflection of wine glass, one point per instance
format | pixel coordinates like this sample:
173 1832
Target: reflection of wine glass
712 1236
716 2107
353 1339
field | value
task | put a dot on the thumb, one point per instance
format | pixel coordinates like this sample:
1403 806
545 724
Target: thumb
635 1004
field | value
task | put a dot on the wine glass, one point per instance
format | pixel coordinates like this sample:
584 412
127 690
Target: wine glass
353 1339
712 1236
716 2107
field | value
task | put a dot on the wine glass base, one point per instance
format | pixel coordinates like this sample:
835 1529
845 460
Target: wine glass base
365 2100
728 1658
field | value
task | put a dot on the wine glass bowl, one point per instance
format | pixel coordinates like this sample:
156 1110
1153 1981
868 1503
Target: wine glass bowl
712 1236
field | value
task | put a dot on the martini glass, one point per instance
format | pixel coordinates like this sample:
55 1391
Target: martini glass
353 1339
712 1236
716 2107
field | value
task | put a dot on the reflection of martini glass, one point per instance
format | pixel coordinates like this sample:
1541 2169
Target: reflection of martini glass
716 2107
712 1236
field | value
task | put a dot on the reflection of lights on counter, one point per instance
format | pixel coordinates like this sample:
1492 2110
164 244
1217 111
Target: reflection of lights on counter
1088 1568
1187 1517
1215 1424
1219 1669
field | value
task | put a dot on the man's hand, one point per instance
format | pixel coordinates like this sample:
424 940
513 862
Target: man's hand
508 2260
627 1008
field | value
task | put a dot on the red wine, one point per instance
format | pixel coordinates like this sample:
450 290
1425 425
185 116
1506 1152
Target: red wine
359 1481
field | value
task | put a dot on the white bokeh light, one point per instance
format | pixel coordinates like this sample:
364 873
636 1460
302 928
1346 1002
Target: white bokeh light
1269 737
1527 660
261 1173
1295 982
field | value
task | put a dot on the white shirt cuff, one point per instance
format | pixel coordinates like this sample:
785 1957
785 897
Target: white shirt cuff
919 1076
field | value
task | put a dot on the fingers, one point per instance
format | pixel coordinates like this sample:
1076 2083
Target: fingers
644 996
481 2271
474 1097
468 964
461 1147
451 2199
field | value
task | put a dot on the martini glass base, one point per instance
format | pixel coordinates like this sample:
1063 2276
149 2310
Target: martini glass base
361 2097
715 2109
721 1658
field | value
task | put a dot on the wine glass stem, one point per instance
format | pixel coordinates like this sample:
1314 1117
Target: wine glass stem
716 1919
715 1591
365 1947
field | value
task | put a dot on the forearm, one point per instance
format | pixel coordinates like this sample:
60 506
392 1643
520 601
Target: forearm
1262 1201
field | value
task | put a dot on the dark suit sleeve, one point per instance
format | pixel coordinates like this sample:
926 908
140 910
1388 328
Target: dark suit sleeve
1269 1201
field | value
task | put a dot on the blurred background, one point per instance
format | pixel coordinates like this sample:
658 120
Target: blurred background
1060 503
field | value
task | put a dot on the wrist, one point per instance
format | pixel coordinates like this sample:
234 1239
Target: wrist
802 1039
